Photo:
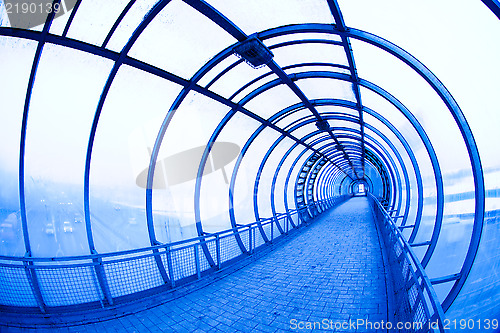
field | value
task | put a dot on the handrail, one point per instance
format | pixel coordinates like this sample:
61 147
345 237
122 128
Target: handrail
393 239
226 232
71 281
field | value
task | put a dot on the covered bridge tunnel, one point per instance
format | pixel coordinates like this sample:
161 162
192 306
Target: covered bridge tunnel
146 144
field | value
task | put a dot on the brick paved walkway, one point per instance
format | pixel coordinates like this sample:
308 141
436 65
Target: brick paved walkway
330 273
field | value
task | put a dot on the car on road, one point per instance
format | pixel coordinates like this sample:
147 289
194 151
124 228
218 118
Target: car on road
49 229
67 226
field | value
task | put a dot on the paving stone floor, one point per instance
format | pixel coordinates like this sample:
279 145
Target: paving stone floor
328 276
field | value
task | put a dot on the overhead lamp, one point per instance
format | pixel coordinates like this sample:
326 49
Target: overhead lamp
323 125
254 52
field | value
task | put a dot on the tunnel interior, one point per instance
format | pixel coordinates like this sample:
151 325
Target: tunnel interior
130 125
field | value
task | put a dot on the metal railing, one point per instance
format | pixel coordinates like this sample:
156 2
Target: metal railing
416 305
92 281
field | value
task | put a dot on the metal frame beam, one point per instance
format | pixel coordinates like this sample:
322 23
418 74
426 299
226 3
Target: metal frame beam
340 24
494 6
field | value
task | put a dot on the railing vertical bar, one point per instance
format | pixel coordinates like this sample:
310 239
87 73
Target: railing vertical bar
103 282
35 286
250 231
170 266
272 230
98 289
217 249
254 239
197 260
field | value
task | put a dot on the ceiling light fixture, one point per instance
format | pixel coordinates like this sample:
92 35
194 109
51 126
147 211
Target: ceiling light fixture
254 52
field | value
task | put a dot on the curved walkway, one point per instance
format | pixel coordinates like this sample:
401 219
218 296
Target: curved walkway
331 274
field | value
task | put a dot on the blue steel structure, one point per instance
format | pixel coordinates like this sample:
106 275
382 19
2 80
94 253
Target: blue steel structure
300 159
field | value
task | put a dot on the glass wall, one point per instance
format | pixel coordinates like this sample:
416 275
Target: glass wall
109 93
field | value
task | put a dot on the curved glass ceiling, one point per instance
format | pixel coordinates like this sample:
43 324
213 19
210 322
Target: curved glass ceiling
133 123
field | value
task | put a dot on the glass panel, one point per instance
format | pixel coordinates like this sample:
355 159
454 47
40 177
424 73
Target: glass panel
129 23
279 196
441 129
243 93
419 98
319 183
332 109
347 141
476 92
237 131
402 124
56 145
317 88
246 177
482 286
305 53
375 180
301 36
412 189
397 119
130 120
314 139
237 77
393 115
187 46
272 101
294 118
334 156
394 165
207 78
103 14
443 289
339 125
388 158
303 69
304 130
293 178
479 102
17 59
258 15
266 179
377 125
59 22
264 195
333 180
178 161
